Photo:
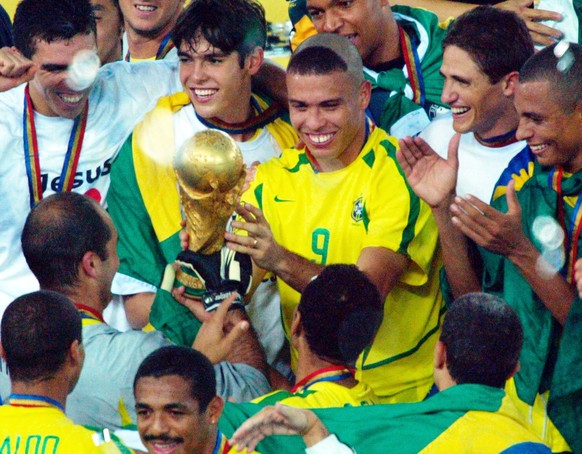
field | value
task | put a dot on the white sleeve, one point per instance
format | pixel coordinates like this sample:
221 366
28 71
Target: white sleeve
330 445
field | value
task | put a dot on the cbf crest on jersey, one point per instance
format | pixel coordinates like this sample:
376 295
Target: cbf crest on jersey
358 209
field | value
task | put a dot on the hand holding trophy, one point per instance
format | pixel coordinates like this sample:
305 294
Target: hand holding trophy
210 172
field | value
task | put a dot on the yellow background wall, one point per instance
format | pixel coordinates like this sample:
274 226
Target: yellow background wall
276 9
9 6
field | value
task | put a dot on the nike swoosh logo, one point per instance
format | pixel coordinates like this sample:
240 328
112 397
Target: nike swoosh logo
277 199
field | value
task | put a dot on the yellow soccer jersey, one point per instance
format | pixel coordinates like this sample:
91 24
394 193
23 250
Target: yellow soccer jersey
44 428
329 217
323 395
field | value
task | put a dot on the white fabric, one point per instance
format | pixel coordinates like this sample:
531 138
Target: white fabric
479 166
261 148
569 25
122 94
329 445
114 314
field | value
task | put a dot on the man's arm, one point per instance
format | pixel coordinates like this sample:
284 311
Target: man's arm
284 420
15 68
433 179
270 80
225 335
382 266
541 34
137 308
502 233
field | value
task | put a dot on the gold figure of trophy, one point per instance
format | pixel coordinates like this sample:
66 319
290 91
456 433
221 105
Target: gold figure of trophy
210 172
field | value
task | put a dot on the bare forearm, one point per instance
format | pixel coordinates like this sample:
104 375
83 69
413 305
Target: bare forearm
247 349
551 288
461 273
296 271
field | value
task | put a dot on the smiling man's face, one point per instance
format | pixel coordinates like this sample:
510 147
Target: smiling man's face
50 93
169 418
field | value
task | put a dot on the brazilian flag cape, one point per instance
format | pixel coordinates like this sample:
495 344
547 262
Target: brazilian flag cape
463 418
398 92
551 357
144 202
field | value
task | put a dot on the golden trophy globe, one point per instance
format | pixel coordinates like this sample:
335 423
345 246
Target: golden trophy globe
210 172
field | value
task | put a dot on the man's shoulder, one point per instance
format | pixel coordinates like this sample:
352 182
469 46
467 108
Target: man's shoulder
42 421
379 149
329 394
441 125
427 19
97 336
131 83
291 161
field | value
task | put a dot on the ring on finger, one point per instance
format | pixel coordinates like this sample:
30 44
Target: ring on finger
255 242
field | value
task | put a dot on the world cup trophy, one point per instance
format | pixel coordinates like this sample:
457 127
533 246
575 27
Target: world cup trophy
210 172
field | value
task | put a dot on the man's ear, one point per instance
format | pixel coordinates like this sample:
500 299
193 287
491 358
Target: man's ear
2 352
296 323
214 409
89 264
364 94
77 353
440 355
255 60
509 82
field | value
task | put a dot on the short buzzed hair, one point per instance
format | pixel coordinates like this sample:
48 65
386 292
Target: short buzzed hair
189 364
566 84
325 53
483 337
38 330
57 233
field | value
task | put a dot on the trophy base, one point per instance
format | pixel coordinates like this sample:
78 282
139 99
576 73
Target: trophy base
203 277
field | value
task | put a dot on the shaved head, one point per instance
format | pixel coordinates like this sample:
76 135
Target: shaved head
346 57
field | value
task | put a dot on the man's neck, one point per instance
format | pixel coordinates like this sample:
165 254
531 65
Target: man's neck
237 118
308 364
144 47
390 49
501 132
87 298
54 388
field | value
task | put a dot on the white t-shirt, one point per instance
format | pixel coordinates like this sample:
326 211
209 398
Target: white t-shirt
479 166
121 96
